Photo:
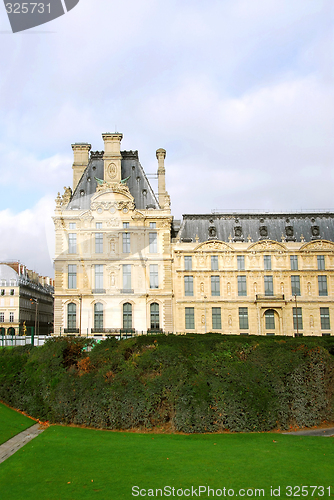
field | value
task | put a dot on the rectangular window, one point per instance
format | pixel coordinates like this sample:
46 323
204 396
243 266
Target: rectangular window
189 286
322 283
3 292
153 246
12 291
215 286
126 225
11 317
267 262
98 276
2 317
72 243
72 225
214 262
216 318
126 276
243 318
324 318
188 262
153 225
268 286
126 242
98 242
295 285
321 262
154 280
98 225
242 286
72 276
190 318
294 262
297 316
241 262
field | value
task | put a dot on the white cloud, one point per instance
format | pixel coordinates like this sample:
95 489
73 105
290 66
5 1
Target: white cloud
28 236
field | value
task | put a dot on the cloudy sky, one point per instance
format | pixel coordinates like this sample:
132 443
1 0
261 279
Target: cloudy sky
239 93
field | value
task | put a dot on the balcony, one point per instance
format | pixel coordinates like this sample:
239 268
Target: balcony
98 290
127 290
71 330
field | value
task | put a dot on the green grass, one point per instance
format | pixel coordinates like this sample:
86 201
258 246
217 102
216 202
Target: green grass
11 423
76 464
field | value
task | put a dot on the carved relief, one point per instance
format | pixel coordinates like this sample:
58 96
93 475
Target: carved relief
318 245
112 170
101 206
311 321
230 320
214 245
267 245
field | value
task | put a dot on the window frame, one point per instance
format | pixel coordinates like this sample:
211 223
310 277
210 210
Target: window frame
295 285
268 280
154 276
189 315
242 285
325 318
322 285
215 286
243 318
72 276
188 286
216 318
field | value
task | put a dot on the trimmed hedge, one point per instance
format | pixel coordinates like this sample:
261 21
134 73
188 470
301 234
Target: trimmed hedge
191 383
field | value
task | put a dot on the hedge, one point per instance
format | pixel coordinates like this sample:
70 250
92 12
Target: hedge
192 383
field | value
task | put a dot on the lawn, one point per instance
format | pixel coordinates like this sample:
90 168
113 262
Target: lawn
72 463
12 422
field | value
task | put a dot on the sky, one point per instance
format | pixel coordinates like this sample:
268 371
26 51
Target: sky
238 92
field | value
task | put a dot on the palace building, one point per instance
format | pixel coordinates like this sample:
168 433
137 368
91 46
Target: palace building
123 264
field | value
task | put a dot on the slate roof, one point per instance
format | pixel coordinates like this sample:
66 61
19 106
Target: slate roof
240 227
138 183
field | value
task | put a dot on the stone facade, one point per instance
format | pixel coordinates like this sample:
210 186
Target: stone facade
123 263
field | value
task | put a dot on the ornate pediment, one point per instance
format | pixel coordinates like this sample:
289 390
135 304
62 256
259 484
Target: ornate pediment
214 245
267 245
113 197
318 245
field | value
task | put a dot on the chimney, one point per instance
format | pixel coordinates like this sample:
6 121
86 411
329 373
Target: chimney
80 162
112 157
164 199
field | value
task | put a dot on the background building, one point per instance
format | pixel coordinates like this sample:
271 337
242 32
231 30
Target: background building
122 262
20 291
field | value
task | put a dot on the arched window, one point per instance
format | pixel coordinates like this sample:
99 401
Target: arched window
127 315
11 331
270 319
71 315
98 316
2 331
154 314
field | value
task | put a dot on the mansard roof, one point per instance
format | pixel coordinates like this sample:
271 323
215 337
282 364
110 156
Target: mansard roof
254 227
138 183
